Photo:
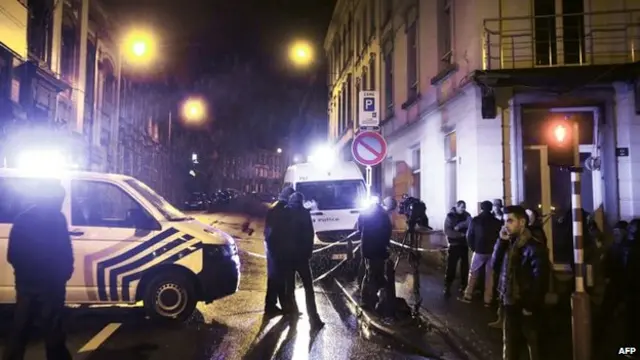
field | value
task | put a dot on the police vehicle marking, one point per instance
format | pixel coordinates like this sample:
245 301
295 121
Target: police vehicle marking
172 253
103 266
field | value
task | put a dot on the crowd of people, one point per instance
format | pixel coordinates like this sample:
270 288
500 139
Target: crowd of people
509 248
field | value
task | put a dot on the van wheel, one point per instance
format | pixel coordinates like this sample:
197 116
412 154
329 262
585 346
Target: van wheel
170 296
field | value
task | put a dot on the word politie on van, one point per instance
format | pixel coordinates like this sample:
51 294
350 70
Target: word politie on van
326 219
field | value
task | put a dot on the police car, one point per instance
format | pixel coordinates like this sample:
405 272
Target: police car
129 245
335 193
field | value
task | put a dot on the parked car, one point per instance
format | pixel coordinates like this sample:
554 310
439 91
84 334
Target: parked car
197 202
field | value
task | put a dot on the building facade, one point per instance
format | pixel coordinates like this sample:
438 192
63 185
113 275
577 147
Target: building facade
60 70
260 171
470 89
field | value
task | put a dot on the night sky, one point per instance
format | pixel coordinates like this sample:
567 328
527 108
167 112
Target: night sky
198 30
194 34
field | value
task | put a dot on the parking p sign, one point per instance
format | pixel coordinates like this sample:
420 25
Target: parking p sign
369 112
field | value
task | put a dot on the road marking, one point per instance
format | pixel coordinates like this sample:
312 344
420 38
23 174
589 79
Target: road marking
100 338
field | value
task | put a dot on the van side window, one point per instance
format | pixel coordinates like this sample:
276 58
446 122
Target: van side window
16 195
101 204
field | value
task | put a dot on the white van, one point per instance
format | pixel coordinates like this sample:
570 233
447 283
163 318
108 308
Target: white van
335 196
129 245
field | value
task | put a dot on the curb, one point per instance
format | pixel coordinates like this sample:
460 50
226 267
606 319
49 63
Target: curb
382 328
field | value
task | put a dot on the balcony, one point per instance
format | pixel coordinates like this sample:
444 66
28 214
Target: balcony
13 27
598 38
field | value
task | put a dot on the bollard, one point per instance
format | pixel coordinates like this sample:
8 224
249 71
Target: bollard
580 302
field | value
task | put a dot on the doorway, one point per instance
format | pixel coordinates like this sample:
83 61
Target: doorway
548 189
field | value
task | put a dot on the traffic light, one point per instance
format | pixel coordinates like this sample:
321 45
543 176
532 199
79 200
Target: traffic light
560 144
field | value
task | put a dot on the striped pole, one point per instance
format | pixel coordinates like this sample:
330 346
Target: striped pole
580 302
578 242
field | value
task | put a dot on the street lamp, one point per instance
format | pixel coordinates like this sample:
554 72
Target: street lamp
560 133
279 151
194 110
139 47
301 53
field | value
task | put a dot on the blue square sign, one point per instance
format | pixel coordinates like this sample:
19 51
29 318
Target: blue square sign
369 104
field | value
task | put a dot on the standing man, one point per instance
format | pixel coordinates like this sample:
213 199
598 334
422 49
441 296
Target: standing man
299 249
524 279
375 230
497 209
482 235
274 237
42 258
455 227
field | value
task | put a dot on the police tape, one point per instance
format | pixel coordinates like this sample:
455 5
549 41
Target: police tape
355 250
444 248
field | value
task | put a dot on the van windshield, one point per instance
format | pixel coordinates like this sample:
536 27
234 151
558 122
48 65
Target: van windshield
333 195
167 210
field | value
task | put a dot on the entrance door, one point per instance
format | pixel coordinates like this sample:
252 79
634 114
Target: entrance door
537 192
549 189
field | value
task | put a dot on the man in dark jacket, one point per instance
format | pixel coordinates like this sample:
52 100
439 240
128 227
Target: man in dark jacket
275 227
524 276
482 235
375 229
298 252
455 227
41 254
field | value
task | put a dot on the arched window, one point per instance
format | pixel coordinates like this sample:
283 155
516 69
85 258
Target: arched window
109 86
69 41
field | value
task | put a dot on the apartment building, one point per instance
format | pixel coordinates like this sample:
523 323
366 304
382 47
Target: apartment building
260 171
60 70
471 88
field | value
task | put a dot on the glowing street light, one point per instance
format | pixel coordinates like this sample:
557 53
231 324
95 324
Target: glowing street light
279 151
139 46
560 133
194 110
301 53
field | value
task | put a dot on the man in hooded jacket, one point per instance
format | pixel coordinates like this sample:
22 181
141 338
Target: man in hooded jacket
298 252
456 224
274 236
41 254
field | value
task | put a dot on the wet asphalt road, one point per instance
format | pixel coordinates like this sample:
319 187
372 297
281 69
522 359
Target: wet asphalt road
231 328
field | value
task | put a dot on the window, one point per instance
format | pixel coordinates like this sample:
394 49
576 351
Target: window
372 74
333 195
364 79
389 176
349 101
100 204
412 54
451 168
357 94
415 163
358 37
388 76
162 205
372 17
16 195
387 11
446 32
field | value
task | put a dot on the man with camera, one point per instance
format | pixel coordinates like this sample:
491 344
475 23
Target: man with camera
455 228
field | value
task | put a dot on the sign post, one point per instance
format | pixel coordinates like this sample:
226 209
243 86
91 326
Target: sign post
369 149
368 113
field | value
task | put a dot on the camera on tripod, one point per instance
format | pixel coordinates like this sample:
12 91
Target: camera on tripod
415 211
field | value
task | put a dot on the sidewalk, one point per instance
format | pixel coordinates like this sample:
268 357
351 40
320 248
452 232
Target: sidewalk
468 323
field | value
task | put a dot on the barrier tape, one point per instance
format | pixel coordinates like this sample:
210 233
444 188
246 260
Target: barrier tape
418 249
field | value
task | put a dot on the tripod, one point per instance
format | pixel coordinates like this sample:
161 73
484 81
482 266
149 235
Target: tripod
409 248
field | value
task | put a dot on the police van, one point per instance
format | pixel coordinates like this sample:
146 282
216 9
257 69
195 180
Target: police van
335 195
129 245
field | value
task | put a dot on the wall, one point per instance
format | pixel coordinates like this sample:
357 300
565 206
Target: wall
13 26
627 134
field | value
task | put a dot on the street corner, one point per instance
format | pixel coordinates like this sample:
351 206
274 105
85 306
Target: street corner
413 334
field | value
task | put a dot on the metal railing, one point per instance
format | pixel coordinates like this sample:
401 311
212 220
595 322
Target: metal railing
596 38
